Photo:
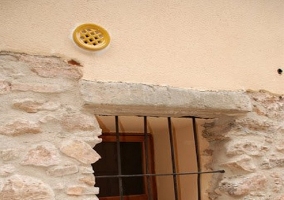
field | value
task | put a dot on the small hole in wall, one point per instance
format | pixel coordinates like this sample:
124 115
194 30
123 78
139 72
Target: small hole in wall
73 62
279 71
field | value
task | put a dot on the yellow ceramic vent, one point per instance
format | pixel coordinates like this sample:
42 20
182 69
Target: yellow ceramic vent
91 37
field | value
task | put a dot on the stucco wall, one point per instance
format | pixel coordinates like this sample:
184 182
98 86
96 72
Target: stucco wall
224 44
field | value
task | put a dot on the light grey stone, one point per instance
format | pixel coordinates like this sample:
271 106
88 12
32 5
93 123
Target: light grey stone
116 98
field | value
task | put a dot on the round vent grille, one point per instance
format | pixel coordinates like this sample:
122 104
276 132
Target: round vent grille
91 37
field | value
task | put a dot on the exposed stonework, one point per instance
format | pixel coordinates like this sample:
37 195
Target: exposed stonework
7 170
77 122
25 188
45 154
250 149
79 150
47 131
78 190
63 170
19 127
33 106
40 110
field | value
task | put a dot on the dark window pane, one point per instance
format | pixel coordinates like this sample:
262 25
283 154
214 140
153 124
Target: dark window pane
131 159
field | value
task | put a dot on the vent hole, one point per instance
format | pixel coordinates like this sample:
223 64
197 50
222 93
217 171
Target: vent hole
279 71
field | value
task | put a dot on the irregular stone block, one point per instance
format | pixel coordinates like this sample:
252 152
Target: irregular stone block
63 170
277 182
80 150
45 154
7 170
276 161
280 146
18 187
89 180
246 146
33 106
79 122
54 71
78 190
242 162
37 87
5 87
244 185
116 98
86 170
89 137
9 154
19 127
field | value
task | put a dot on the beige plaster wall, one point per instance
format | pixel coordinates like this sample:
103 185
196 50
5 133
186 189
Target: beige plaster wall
224 44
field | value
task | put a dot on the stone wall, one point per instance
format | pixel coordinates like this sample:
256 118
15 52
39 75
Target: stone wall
48 129
46 137
251 150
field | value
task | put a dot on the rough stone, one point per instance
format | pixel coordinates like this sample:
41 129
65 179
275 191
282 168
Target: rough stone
116 98
9 154
54 71
280 146
245 146
63 170
5 87
21 187
89 180
80 150
244 185
7 170
78 190
276 161
37 87
277 182
45 154
242 162
86 170
33 106
19 127
78 122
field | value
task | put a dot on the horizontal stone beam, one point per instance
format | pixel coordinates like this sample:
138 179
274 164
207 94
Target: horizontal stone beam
117 98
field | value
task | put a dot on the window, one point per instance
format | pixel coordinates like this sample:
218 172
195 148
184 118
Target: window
133 162
148 158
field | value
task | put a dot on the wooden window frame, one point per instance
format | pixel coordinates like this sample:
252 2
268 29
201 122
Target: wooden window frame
137 137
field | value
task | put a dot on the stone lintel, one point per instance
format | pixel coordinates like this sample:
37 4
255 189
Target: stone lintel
117 98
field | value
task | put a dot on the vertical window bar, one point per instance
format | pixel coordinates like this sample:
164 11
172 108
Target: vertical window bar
146 146
173 158
118 158
197 157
